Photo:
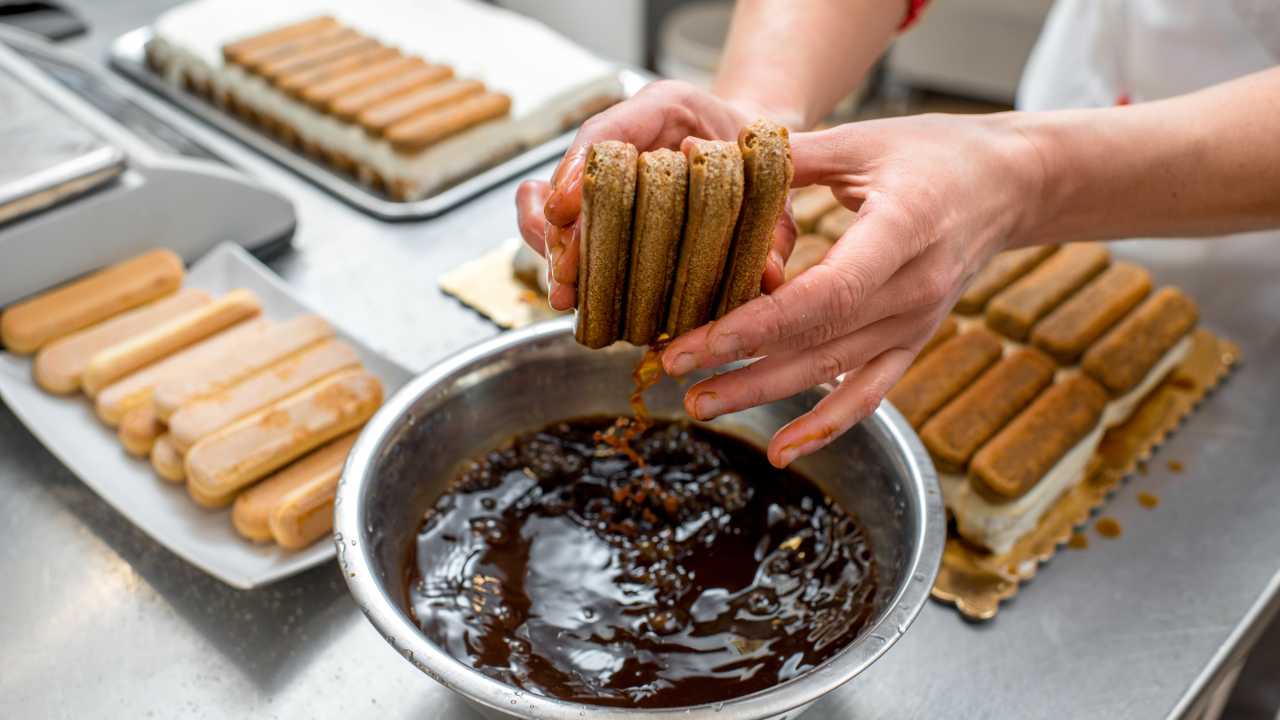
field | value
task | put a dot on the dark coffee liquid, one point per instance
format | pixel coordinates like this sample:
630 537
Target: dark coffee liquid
562 567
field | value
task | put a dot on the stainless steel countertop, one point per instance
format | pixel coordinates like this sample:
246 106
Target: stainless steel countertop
99 621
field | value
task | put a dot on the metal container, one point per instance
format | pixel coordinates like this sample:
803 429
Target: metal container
527 379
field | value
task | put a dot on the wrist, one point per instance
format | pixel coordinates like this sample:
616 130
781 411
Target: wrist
1031 161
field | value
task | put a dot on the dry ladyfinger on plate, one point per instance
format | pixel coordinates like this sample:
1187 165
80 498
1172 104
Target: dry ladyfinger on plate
315 480
59 365
715 197
348 106
295 83
766 174
424 100
836 223
608 196
662 178
281 341
1025 450
809 204
320 94
1123 357
809 250
942 374
221 465
1036 294
956 432
27 326
119 398
167 338
421 131
232 52
211 413
139 429
167 460
340 45
255 59
1082 319
999 274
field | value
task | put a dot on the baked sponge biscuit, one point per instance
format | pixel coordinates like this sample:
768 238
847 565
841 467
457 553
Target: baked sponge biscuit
608 195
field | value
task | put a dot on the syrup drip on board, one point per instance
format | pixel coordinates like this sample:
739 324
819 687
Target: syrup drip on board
1148 500
1108 527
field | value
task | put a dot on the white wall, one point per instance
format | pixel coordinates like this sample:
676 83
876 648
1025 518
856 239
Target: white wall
613 29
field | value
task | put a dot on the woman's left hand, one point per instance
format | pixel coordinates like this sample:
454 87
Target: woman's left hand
937 196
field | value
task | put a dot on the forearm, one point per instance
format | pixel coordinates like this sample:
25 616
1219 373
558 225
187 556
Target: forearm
1207 163
793 61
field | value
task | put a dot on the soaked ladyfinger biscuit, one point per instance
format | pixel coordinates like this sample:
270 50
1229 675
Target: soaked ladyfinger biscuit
608 196
1128 352
943 373
715 196
234 52
1084 317
809 250
945 332
835 223
1029 446
421 131
999 274
956 432
426 99
766 173
351 104
294 83
809 204
1036 294
662 179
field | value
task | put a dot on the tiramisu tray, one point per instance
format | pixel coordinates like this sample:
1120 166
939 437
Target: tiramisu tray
400 107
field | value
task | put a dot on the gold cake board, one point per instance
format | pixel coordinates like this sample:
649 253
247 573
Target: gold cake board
976 581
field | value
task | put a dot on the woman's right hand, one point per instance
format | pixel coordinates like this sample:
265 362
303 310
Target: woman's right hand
661 115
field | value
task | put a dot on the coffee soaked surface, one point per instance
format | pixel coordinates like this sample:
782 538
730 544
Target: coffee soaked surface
563 567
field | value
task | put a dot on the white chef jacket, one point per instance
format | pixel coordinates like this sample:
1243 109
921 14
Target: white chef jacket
1095 53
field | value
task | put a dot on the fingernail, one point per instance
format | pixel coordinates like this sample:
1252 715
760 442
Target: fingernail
707 405
682 364
729 345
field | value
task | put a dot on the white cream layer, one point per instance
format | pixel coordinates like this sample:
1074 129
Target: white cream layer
998 526
548 78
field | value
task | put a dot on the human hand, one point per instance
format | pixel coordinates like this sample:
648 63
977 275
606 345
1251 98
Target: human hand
937 196
662 115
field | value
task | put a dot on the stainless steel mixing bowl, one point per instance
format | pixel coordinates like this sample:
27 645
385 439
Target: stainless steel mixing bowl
527 379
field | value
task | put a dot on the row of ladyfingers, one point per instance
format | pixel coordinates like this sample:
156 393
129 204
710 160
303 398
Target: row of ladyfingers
216 395
1011 397
668 243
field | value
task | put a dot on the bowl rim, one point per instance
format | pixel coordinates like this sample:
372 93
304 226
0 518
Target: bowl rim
358 568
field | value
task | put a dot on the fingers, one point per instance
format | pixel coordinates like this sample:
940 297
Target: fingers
857 396
835 155
530 197
863 260
565 199
563 247
784 241
782 375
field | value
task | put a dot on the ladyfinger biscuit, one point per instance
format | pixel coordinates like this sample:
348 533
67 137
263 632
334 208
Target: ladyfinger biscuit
945 332
715 197
220 465
999 274
1020 454
766 173
1128 352
351 104
420 131
315 57
432 97
316 475
27 326
943 373
203 417
119 398
836 223
234 51
59 365
662 178
1037 293
608 195
139 429
1082 319
253 60
167 461
282 340
956 432
322 96
352 64
167 338
809 204
809 250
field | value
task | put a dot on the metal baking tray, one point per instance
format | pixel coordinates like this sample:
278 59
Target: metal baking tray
128 56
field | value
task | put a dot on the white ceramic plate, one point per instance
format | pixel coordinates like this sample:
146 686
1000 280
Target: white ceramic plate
204 538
